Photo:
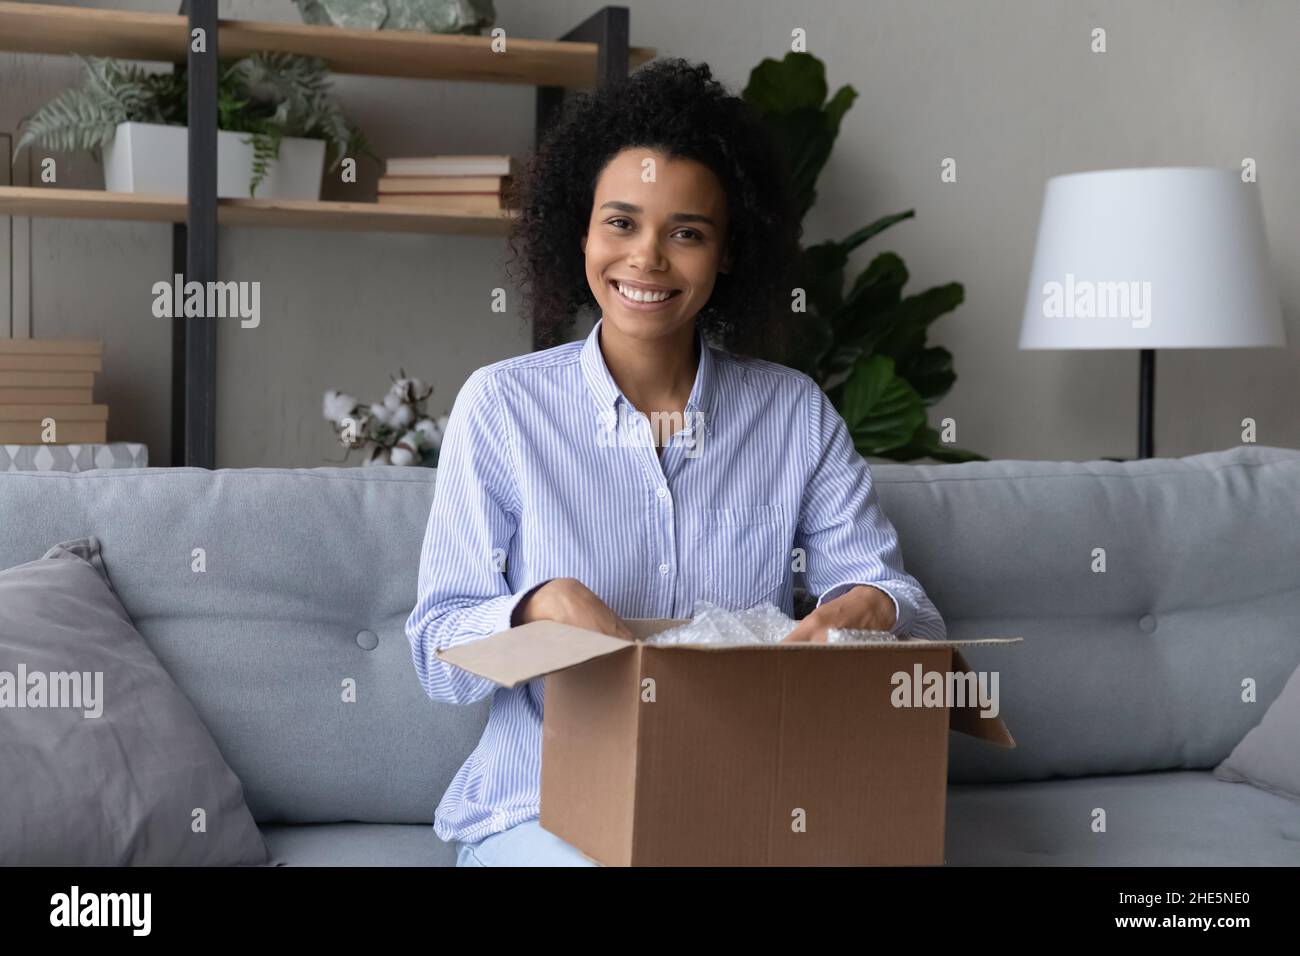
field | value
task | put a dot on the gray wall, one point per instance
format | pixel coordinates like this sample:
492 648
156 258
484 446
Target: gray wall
1010 89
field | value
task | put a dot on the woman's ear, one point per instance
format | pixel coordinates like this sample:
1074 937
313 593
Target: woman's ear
583 244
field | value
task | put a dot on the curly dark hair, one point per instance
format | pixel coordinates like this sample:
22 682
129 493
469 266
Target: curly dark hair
680 110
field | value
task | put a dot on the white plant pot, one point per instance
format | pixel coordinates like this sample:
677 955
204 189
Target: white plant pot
152 158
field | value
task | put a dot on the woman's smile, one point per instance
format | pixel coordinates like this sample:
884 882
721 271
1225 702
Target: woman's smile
641 297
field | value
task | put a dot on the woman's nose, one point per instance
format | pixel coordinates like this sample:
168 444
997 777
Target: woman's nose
646 255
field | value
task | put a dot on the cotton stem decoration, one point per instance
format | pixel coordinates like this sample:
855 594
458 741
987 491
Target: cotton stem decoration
396 431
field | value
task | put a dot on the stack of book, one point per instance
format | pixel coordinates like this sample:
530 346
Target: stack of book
448 183
50 379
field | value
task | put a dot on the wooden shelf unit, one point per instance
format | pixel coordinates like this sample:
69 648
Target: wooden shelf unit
275 213
593 53
44 28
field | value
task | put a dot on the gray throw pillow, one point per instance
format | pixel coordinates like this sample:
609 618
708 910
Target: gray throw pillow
1269 755
104 760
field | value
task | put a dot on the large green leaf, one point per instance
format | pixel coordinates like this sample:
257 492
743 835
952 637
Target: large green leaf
876 291
902 329
929 371
791 95
780 86
881 410
853 240
821 267
837 106
807 143
838 366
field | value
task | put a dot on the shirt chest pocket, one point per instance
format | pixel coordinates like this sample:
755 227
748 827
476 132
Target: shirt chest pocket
742 555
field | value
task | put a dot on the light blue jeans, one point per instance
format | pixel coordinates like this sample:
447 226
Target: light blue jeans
524 844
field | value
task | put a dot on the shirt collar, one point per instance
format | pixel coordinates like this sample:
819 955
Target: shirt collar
607 393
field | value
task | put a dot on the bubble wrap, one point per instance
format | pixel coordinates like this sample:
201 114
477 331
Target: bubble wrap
761 624
845 635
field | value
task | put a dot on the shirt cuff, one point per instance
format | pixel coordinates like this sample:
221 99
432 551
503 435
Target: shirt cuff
507 611
904 613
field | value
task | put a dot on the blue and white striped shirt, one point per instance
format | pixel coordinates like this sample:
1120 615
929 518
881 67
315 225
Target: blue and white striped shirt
546 471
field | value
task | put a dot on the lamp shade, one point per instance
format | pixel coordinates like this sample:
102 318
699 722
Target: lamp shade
1153 258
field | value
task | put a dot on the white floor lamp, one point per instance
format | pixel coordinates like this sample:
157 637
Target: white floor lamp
1146 259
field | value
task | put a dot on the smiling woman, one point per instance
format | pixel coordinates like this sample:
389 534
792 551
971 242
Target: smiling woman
670 127
662 202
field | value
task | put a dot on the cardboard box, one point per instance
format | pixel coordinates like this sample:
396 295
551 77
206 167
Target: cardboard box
710 755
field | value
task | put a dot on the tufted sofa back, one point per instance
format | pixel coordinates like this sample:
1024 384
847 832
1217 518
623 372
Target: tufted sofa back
310 575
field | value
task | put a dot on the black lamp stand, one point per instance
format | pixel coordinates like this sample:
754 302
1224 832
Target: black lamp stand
1146 403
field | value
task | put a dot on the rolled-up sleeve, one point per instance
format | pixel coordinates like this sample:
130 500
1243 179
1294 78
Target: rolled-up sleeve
463 592
844 532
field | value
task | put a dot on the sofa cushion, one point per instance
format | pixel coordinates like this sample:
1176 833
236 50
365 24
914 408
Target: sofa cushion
1180 818
1135 669
1269 755
105 761
262 590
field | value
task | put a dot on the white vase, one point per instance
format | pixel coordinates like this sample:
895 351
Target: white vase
152 158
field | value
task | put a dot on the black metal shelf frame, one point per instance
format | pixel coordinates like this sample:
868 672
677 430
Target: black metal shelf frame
194 242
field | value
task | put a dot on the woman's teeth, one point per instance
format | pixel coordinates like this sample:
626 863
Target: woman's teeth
641 295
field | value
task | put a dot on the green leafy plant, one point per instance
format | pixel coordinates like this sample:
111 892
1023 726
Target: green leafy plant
865 345
267 95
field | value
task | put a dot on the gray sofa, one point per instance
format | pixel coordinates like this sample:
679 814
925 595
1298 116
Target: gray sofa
1123 696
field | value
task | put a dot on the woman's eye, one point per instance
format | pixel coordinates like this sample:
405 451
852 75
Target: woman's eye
623 223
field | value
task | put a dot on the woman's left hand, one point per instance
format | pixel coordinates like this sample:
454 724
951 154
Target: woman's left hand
863 608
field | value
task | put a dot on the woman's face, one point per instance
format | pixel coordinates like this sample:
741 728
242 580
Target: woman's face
658 225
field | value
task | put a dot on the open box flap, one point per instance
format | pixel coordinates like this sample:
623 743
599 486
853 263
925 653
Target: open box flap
531 650
972 642
968 720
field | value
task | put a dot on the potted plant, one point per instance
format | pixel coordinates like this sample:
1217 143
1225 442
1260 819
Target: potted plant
864 344
275 116
427 16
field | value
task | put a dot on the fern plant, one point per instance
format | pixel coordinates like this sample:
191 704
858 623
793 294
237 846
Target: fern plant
266 95
113 92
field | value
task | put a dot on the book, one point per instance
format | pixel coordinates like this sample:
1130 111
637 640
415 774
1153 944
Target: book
453 166
51 347
463 202
443 184
15 379
45 396
29 433
53 362
60 413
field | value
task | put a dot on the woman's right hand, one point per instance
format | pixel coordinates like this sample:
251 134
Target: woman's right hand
569 601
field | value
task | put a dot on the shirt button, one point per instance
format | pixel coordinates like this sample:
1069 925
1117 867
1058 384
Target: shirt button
663 569
662 492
